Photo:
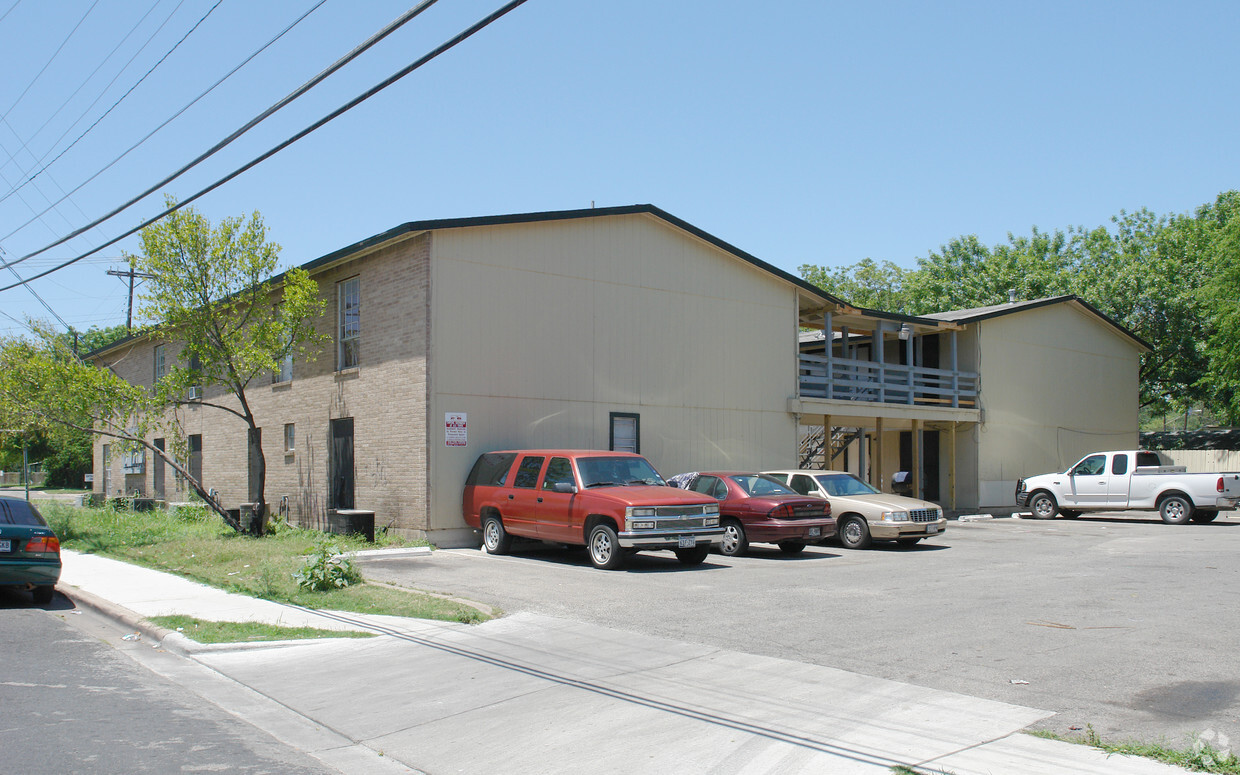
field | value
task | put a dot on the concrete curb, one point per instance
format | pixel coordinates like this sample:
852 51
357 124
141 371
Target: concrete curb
403 551
169 640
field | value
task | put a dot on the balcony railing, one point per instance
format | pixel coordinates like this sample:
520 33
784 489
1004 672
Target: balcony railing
845 379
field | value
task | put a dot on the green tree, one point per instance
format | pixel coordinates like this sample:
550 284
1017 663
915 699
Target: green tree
1220 296
210 293
866 284
45 389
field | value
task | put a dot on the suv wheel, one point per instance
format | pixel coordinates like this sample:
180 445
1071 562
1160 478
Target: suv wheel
604 546
494 537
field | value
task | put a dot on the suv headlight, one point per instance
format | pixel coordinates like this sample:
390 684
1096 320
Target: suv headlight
712 509
895 516
633 511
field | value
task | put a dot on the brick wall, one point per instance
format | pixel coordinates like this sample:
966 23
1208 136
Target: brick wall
386 396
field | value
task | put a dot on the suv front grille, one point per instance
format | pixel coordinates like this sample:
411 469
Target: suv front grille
672 512
924 515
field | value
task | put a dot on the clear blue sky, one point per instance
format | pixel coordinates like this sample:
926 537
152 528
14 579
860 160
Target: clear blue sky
802 132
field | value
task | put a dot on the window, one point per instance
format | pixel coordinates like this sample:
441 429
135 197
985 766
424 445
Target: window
712 486
161 367
559 471
1090 466
625 432
195 367
804 485
1119 464
491 470
527 473
290 437
135 458
348 323
285 372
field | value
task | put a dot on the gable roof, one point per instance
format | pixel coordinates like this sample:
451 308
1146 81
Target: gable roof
414 227
999 310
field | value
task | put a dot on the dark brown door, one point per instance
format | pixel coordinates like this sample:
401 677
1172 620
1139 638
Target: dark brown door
255 448
340 465
159 470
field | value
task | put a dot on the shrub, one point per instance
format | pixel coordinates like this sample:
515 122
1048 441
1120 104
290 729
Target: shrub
325 569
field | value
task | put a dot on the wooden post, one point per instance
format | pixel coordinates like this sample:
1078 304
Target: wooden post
829 457
951 467
876 466
916 463
955 375
829 337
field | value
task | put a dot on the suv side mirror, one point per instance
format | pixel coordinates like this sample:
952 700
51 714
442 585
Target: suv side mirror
565 487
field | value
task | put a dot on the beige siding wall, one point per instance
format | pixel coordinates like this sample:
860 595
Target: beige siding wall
541 330
386 396
1056 383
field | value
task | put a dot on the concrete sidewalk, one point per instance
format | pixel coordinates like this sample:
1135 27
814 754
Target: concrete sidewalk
530 693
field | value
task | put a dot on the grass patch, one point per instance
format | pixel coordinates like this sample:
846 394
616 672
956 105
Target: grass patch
246 632
1203 753
196 544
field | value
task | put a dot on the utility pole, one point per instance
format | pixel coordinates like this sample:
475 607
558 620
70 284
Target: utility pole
131 274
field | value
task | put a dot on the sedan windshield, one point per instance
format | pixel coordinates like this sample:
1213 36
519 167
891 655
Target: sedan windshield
616 471
845 484
761 484
15 512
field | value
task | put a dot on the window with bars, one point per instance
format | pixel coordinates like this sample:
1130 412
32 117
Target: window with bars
625 433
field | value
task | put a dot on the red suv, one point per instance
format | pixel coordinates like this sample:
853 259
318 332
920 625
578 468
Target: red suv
610 502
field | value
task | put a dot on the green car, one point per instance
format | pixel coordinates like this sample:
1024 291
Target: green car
29 550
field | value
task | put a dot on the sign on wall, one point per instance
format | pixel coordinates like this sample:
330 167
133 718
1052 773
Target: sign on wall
455 432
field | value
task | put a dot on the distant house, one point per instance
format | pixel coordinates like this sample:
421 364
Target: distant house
628 328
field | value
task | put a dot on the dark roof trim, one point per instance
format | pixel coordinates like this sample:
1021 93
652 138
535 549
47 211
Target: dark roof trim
1000 310
414 227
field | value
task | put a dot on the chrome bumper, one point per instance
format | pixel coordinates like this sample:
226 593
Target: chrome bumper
670 539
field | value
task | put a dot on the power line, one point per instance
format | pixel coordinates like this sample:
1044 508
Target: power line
398 75
167 121
85 81
122 97
50 59
299 91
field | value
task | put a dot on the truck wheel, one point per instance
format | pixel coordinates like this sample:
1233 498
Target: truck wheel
791 547
495 538
1205 515
1043 505
1175 510
604 546
734 541
43 594
694 556
855 533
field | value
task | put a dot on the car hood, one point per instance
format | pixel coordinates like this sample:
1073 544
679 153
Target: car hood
649 495
882 501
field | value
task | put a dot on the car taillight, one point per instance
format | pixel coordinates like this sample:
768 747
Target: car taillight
43 544
1219 487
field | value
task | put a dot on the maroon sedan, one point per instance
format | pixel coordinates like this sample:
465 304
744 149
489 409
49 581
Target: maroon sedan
759 508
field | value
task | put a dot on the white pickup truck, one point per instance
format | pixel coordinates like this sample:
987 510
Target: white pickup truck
1132 480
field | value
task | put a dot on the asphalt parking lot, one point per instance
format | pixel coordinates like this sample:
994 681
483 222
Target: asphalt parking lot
1117 621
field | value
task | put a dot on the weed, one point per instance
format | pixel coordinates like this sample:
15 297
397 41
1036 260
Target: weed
1202 755
325 569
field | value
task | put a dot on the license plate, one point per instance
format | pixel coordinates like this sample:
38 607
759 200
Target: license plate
5 545
814 532
687 542
931 529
